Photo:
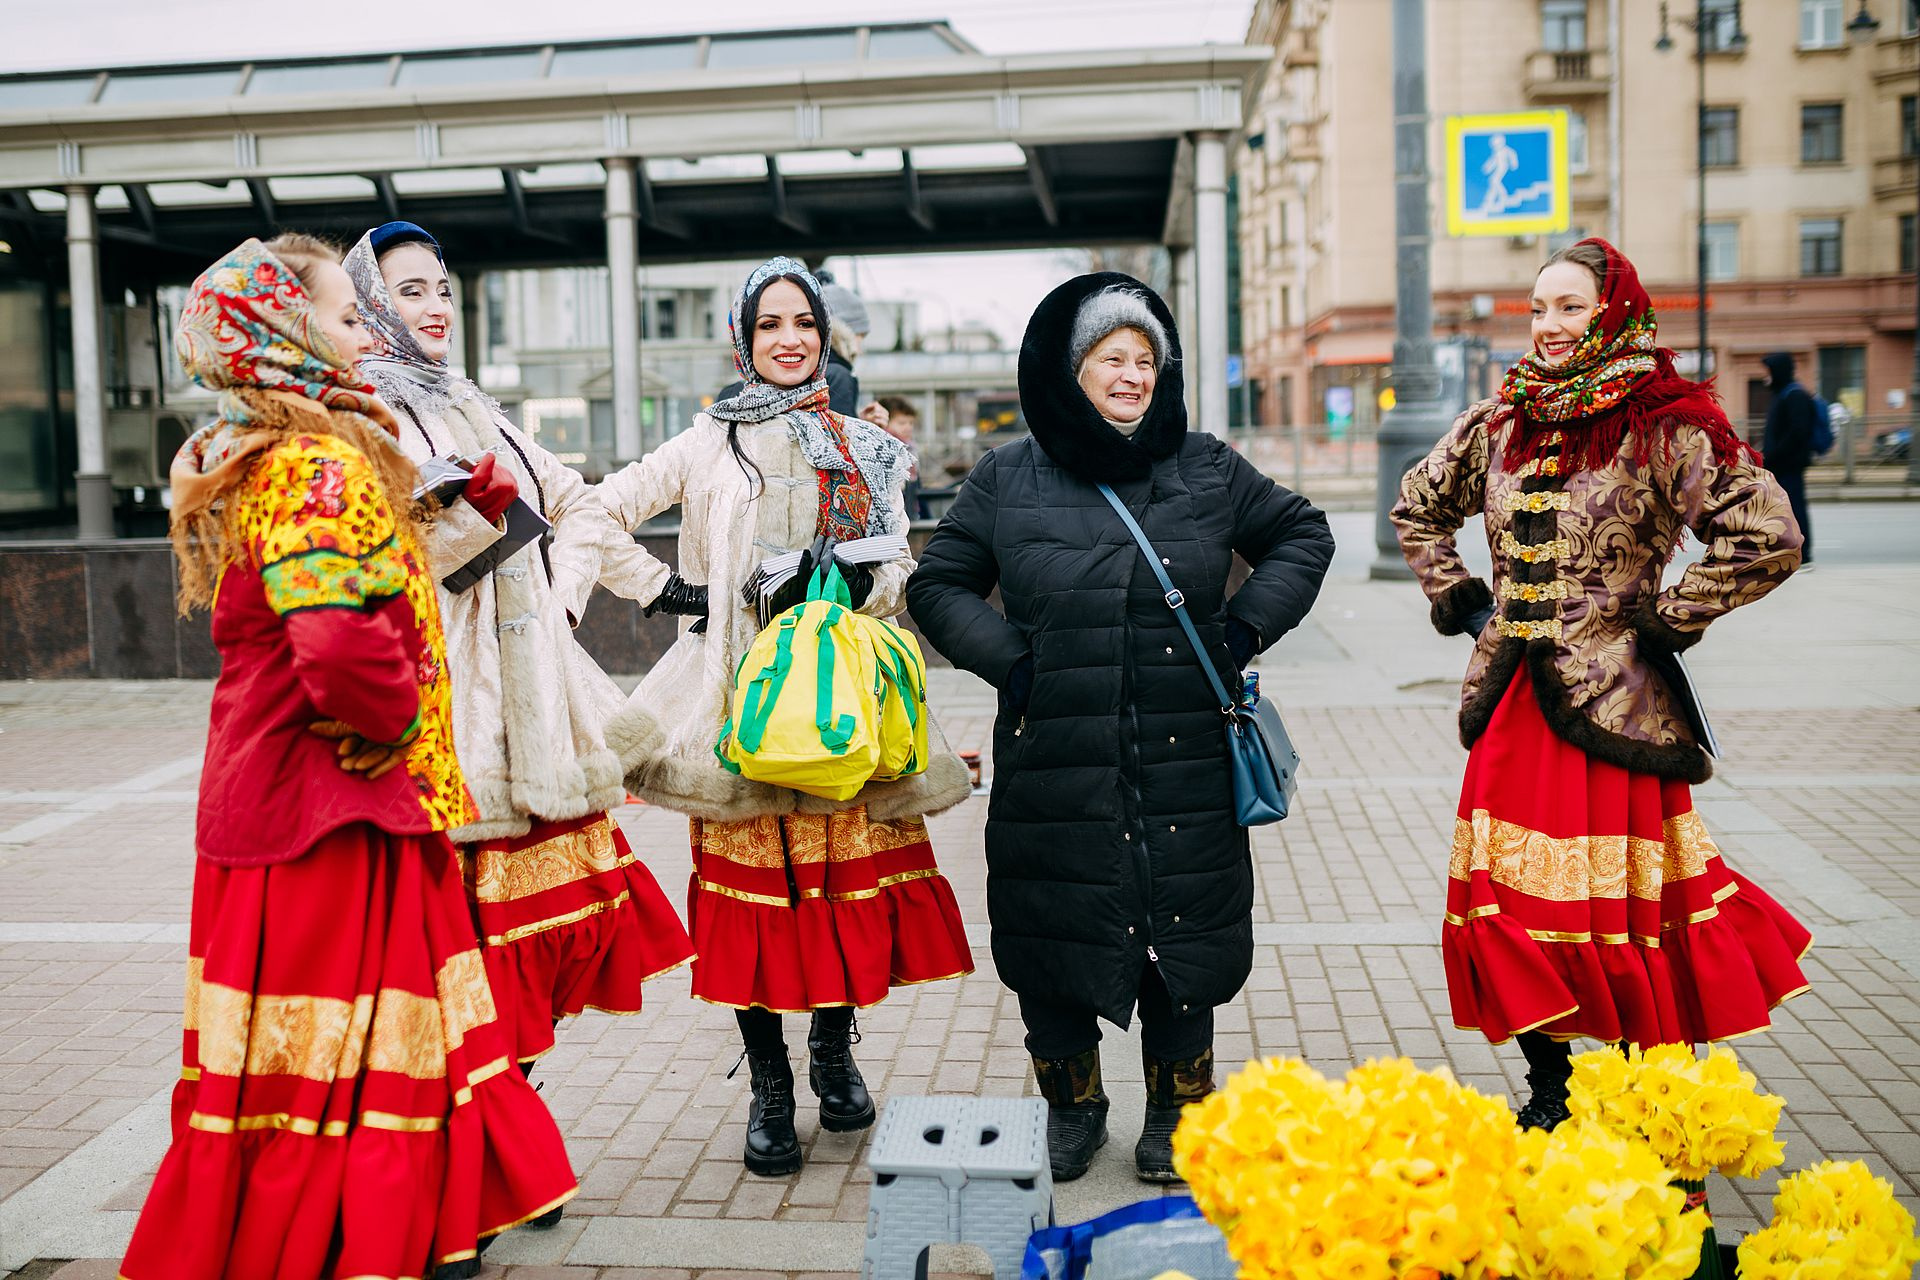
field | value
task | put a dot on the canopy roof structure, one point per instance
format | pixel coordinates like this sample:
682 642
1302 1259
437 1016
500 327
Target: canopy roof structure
871 138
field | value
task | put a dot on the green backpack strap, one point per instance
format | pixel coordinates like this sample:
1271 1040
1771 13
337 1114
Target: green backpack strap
764 691
836 732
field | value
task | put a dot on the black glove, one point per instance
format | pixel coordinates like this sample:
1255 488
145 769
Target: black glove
794 590
1243 642
680 598
1477 622
1017 689
858 577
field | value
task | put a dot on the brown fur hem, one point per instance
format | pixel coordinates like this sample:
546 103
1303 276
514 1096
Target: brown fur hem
1683 761
1655 632
1459 602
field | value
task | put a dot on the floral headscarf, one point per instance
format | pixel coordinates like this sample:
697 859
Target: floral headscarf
760 400
249 332
1618 382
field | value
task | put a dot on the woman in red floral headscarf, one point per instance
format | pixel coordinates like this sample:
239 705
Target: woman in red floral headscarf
347 1104
1584 896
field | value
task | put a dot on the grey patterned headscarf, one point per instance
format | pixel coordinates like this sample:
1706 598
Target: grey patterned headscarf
405 375
759 399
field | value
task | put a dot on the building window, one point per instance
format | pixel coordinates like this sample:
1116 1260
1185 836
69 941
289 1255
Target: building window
1720 25
1577 155
1723 250
1909 246
1909 127
1821 24
1819 246
1820 130
1563 26
1910 18
1720 137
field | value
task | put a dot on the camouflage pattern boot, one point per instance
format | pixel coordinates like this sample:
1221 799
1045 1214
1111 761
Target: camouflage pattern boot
1076 1111
1170 1087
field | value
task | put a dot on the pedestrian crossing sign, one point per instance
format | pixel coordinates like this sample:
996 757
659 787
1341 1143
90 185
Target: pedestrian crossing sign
1507 174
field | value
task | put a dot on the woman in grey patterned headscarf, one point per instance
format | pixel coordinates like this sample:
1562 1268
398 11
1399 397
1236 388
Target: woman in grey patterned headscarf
797 904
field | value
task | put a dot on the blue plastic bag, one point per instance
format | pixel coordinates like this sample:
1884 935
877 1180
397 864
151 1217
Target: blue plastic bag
1136 1242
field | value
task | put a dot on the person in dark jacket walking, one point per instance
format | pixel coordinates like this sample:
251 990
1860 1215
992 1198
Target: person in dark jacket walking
1787 445
1116 875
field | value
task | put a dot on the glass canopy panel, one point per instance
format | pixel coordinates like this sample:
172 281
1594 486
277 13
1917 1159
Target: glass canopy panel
910 42
423 182
61 91
327 187
187 195
469 68
171 86
47 201
624 60
707 168
552 176
110 199
728 52
320 77
970 155
872 160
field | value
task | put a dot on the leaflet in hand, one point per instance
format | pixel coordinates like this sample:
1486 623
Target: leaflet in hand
776 571
444 479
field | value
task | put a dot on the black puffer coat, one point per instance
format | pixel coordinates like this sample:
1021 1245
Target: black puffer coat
1110 836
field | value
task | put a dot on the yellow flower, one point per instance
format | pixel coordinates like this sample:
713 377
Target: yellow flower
1835 1220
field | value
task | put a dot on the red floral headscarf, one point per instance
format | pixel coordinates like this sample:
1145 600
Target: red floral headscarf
1618 382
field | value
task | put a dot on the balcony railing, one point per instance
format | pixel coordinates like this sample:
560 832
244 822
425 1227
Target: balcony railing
1562 73
1893 176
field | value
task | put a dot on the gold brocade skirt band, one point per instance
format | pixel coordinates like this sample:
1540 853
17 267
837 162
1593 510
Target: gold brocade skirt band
807 911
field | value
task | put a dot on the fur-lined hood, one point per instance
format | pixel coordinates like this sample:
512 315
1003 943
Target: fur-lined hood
1064 422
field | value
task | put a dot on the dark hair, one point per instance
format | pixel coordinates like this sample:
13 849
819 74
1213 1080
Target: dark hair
1584 254
748 317
898 405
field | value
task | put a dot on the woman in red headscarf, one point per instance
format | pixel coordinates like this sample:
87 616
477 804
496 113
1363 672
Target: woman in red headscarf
347 1102
1584 896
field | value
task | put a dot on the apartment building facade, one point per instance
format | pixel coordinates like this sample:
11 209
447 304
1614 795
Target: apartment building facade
1810 192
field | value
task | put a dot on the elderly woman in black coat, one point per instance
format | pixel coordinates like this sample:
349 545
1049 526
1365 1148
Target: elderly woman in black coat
1116 875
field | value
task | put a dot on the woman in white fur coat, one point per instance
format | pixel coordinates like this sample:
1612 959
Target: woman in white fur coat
797 904
569 920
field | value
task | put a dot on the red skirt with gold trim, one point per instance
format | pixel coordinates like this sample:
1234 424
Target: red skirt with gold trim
806 911
570 921
347 1104
1584 899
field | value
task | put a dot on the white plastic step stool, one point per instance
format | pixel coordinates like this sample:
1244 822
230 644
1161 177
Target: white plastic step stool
956 1170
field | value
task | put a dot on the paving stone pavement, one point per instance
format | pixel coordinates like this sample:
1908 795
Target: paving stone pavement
1818 800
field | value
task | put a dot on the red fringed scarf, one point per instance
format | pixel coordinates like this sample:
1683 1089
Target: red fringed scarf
1617 384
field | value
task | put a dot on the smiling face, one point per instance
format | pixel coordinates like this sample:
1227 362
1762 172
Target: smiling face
1118 375
422 295
338 310
786 337
1564 297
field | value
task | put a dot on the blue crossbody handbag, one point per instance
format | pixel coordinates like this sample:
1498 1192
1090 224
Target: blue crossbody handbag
1265 767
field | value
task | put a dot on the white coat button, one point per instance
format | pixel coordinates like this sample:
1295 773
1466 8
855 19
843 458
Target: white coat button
1169 648
1171 827
1129 931
1127 836
1164 560
1176 919
1171 738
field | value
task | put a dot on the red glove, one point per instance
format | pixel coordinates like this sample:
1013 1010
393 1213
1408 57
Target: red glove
491 490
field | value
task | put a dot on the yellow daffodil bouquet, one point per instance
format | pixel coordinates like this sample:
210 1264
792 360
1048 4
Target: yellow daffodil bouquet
1394 1171
1833 1221
1698 1114
1590 1203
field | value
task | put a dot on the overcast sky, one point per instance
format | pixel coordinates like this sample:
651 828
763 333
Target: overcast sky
104 33
995 289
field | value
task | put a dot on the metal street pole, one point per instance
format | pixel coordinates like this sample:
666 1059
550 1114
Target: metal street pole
1913 387
1418 418
1700 155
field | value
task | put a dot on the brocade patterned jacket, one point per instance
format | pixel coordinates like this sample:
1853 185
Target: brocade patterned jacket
1577 567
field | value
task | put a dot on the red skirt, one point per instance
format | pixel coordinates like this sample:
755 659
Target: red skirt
807 911
347 1103
570 922
1584 899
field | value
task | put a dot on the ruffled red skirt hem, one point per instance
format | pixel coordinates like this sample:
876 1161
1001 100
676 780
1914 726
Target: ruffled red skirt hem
813 911
571 921
346 1105
1587 900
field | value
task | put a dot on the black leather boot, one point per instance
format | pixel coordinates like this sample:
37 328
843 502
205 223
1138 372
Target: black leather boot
1170 1087
773 1149
1549 1068
845 1104
1076 1111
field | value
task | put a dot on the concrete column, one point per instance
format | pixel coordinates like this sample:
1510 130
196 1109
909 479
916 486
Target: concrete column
1181 305
623 270
93 486
1207 363
472 346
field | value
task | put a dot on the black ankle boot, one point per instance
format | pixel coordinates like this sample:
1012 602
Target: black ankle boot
1549 1068
1170 1087
773 1149
1076 1111
845 1104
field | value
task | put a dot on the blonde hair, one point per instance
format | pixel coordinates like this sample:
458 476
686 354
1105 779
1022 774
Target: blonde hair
302 253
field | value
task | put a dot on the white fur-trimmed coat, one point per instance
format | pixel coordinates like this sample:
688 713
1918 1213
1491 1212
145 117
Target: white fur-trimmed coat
529 705
728 525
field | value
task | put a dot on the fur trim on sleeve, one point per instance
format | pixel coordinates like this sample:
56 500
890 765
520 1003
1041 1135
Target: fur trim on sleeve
1656 633
1459 602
